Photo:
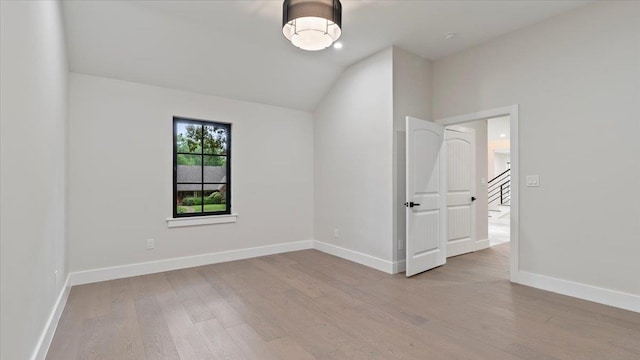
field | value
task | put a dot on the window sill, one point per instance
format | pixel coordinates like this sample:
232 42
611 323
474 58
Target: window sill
201 220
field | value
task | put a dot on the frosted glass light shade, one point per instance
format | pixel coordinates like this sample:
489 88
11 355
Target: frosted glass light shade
311 33
312 24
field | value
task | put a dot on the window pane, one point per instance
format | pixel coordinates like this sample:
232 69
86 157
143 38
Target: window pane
189 199
188 137
215 140
189 173
215 198
215 168
184 159
189 188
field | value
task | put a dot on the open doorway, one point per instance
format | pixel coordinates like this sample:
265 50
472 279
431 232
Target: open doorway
510 115
499 183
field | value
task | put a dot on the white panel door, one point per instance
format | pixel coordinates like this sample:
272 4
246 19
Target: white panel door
461 171
426 196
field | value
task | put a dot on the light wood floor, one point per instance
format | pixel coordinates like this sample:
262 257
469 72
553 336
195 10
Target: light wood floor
307 305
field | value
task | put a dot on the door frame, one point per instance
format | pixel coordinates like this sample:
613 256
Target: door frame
512 112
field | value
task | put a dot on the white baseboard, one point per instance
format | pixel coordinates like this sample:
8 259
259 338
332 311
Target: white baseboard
118 272
42 346
387 266
482 244
399 266
123 271
600 295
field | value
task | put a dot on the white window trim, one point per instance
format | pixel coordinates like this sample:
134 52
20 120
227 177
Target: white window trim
201 220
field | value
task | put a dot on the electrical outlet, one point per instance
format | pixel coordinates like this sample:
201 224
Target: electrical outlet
336 233
150 244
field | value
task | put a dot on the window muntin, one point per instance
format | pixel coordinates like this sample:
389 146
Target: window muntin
201 167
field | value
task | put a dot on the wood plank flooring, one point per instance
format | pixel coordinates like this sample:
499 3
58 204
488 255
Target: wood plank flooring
310 305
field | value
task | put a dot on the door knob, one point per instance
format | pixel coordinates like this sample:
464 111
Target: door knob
473 198
411 204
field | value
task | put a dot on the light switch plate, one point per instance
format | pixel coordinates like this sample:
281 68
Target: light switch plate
533 180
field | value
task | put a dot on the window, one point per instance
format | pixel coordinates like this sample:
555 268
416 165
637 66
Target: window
201 168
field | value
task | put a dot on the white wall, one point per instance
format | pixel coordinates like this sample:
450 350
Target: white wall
500 146
501 162
33 113
412 77
120 174
577 80
352 132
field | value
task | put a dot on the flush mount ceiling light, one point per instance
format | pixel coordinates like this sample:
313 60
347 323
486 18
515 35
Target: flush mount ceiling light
312 24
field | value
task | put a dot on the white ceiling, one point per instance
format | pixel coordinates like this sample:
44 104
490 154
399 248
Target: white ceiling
497 127
236 49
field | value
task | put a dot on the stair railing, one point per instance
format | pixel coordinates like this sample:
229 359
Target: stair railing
499 188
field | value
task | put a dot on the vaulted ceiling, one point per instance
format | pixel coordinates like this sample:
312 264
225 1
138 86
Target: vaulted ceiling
236 49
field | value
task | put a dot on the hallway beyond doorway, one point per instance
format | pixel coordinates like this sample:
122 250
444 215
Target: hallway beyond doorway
499 228
499 233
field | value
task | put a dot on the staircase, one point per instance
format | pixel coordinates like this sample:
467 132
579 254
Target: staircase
499 196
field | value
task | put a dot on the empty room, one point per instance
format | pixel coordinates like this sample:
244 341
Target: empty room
319 179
